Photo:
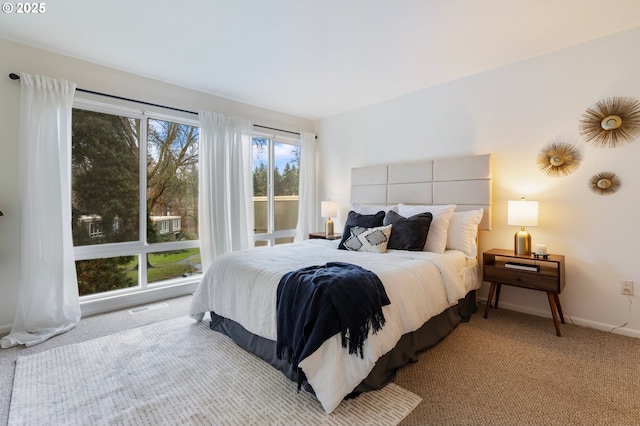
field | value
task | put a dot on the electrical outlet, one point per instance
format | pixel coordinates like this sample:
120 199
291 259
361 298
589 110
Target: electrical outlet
626 287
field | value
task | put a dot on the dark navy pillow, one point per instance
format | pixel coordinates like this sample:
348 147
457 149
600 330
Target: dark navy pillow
408 233
363 220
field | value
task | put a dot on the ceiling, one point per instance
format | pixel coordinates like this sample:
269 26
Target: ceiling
314 58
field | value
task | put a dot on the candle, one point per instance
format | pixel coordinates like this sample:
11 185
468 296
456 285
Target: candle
541 249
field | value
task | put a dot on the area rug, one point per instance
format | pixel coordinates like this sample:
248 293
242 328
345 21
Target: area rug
177 372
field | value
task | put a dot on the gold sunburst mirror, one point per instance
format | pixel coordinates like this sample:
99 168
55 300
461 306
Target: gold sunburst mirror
558 159
604 183
611 122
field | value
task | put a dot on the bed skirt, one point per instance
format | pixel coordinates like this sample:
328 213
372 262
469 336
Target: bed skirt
405 351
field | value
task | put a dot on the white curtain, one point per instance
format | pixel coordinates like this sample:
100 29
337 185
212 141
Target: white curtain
225 187
48 301
307 203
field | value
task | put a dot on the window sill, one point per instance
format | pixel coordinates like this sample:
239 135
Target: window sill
127 300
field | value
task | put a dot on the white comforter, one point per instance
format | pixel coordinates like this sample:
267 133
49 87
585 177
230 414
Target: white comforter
242 286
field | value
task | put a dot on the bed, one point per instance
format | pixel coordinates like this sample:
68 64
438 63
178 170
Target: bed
431 290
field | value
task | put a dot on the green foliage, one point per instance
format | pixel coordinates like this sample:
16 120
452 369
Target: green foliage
285 183
172 256
289 180
99 275
172 264
152 232
106 190
260 180
105 154
172 270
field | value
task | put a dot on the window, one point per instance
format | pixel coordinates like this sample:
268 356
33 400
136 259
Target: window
164 226
134 199
95 230
275 190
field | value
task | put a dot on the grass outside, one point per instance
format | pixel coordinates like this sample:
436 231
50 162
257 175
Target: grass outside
167 265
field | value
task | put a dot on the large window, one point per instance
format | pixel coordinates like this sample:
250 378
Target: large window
276 166
134 199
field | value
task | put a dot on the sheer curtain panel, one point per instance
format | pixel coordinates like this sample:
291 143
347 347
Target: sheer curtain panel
225 186
307 203
48 301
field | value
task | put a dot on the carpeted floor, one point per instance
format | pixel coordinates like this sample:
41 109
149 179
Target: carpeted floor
510 369
176 372
87 328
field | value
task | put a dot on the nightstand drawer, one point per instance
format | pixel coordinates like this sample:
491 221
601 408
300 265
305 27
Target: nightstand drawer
532 280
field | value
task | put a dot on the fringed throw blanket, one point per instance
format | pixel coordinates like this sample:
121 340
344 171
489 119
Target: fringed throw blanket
317 302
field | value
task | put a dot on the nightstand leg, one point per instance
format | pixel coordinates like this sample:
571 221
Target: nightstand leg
552 305
498 287
555 296
492 290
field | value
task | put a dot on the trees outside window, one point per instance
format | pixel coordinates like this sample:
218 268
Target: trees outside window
105 183
276 166
134 199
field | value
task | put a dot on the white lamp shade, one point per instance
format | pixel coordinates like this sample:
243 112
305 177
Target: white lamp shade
522 213
328 209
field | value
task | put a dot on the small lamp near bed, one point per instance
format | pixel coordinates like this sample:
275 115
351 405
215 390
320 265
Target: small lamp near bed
328 209
522 213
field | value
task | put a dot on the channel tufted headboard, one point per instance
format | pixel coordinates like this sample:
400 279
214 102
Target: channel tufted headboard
464 181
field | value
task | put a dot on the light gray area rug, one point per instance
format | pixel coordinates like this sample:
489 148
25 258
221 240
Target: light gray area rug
177 372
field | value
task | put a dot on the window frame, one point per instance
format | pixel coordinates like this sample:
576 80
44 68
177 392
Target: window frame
140 248
272 235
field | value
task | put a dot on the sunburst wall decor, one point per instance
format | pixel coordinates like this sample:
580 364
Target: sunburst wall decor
558 159
604 183
611 122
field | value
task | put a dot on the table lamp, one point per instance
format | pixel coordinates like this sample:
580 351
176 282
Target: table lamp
328 209
522 213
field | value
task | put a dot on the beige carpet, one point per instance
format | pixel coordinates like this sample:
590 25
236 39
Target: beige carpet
512 369
177 372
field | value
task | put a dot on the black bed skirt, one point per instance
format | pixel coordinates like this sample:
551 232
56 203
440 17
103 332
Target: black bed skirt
406 351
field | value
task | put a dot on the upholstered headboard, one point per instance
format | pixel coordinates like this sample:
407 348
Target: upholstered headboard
464 181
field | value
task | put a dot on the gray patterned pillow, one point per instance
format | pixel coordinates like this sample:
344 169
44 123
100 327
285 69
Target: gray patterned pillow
363 220
373 240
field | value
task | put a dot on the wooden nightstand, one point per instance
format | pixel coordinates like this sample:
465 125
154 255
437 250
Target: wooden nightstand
543 274
323 236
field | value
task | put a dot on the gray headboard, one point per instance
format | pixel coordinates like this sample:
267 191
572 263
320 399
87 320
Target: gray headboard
464 181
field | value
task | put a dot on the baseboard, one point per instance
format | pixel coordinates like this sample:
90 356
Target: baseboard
5 329
115 303
617 329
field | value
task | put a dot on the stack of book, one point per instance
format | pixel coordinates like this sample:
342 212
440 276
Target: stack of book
522 266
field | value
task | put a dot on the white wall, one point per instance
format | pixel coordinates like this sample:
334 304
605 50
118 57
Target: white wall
513 112
17 58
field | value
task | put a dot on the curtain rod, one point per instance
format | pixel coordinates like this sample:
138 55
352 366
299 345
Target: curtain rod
14 76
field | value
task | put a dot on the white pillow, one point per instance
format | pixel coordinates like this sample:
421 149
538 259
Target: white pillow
463 230
373 208
373 240
437 236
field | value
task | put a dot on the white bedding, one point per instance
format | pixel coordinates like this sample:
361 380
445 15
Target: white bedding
242 286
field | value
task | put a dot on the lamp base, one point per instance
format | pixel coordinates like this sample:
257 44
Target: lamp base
522 242
328 228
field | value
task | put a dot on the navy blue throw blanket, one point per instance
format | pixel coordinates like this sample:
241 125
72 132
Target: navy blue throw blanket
317 302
